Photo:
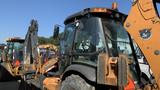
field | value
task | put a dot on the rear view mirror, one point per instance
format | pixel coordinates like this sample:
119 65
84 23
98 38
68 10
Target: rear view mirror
56 31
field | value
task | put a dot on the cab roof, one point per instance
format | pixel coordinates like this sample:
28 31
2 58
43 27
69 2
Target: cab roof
15 40
2 46
100 12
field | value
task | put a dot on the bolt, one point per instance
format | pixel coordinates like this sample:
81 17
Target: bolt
147 47
113 60
157 52
128 25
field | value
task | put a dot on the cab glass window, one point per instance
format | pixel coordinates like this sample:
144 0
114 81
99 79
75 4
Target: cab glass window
89 41
158 8
68 37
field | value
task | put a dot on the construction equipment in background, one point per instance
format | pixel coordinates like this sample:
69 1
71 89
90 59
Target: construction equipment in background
1 52
34 66
12 59
47 51
31 56
50 46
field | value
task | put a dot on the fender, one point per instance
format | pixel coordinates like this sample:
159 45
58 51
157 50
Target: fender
88 72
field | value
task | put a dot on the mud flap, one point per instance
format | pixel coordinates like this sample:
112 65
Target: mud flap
122 72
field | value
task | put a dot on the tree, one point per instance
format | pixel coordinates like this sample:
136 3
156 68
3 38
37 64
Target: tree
50 40
43 40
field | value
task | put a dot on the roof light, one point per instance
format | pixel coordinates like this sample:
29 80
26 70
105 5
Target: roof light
99 10
12 39
115 5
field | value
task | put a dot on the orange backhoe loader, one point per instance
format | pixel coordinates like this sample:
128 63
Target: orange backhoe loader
37 59
97 53
12 58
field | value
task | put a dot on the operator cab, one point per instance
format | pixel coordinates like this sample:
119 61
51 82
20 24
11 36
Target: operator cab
94 32
86 34
14 51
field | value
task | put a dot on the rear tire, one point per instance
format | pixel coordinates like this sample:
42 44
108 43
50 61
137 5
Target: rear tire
75 82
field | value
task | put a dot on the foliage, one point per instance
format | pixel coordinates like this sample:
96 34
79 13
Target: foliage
50 40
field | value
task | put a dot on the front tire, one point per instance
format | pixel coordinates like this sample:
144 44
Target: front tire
75 82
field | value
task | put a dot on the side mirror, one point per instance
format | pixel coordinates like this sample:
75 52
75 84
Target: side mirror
56 31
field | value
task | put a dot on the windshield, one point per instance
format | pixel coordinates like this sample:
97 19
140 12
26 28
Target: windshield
15 51
89 41
68 37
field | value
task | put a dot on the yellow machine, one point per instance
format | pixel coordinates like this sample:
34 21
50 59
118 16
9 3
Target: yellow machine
117 67
38 59
12 59
96 52
143 24
48 57
50 46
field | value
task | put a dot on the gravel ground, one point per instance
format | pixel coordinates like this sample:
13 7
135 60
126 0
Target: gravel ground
9 85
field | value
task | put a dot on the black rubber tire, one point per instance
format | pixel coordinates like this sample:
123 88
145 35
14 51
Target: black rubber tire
75 82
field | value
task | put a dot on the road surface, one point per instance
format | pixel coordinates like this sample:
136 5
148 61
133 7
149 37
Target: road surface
14 85
9 85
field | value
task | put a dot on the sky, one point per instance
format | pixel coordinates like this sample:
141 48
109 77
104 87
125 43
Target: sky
15 15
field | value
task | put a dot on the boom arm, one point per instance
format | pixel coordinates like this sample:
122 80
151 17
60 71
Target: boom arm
31 43
143 24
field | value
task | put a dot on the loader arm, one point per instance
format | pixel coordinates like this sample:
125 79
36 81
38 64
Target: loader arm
31 43
143 25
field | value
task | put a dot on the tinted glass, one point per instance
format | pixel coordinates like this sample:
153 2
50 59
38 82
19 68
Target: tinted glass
89 40
15 51
119 43
68 37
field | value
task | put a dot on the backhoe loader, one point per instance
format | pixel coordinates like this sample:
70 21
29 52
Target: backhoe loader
12 58
37 62
97 53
